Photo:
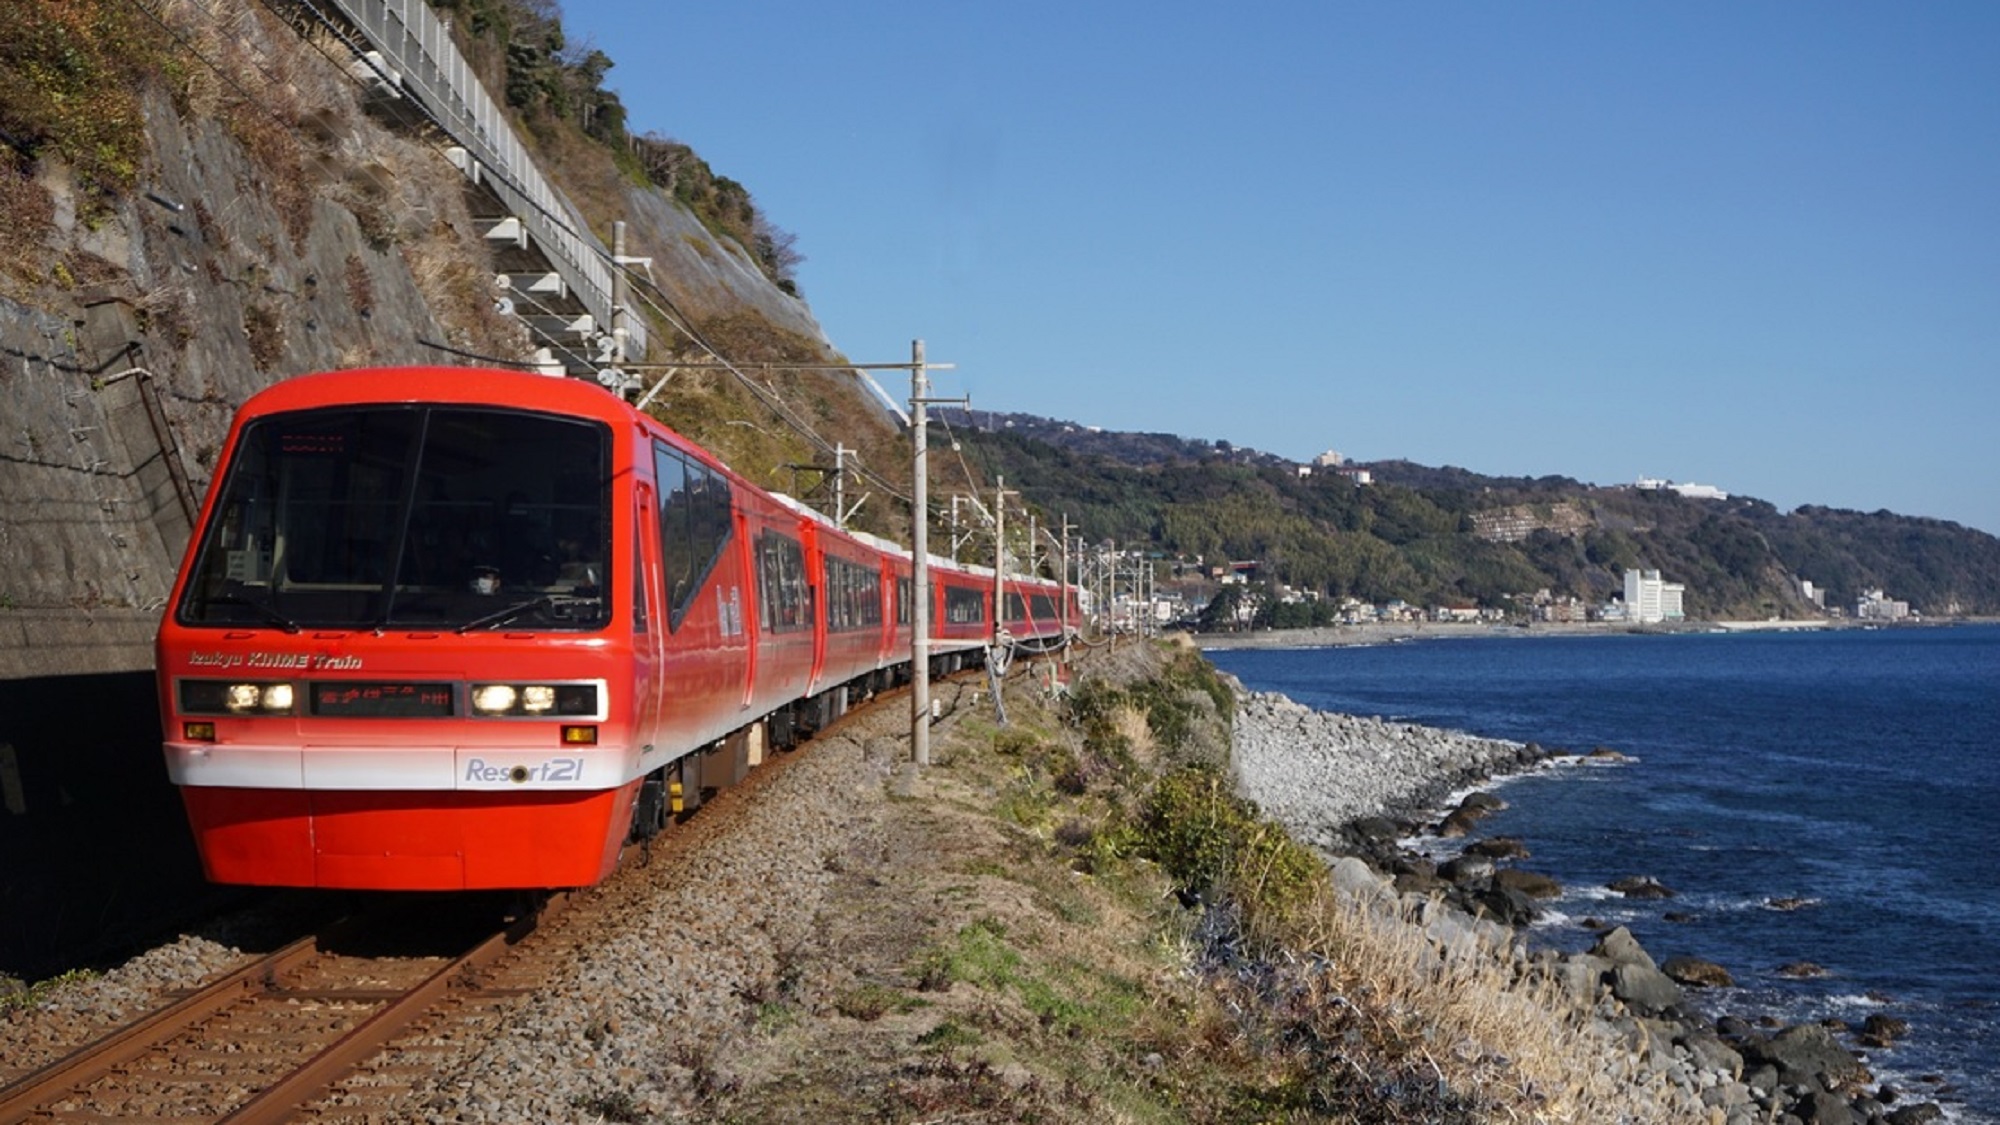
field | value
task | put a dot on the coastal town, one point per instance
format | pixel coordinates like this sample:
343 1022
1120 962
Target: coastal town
1235 598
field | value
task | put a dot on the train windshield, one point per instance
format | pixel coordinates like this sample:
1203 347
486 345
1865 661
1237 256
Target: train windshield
412 517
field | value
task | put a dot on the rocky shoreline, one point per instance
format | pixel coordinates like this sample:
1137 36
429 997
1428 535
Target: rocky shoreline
1352 787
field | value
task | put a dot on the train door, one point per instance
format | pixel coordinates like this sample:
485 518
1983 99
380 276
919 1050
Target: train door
889 602
816 600
749 619
649 617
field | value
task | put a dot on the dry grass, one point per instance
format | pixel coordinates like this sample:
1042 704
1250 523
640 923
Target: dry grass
27 217
1472 1016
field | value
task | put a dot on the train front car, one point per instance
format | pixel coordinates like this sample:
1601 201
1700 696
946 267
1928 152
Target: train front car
400 653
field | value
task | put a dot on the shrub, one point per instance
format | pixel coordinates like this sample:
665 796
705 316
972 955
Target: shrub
1214 843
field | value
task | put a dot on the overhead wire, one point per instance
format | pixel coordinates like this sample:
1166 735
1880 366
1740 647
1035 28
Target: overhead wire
660 304
644 289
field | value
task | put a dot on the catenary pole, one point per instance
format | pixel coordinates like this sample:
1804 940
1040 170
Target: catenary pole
920 562
920 546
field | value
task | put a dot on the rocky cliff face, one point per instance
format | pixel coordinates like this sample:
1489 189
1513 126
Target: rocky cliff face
277 226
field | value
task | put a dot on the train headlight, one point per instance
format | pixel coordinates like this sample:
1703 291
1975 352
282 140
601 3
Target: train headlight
493 699
536 701
220 697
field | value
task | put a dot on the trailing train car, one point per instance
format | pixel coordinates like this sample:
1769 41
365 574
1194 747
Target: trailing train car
444 628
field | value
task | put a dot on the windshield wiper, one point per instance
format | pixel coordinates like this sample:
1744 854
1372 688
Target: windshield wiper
265 610
501 617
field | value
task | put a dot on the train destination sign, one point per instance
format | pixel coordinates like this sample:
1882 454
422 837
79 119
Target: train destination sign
392 700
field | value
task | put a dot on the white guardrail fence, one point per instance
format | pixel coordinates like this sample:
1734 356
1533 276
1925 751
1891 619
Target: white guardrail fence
418 59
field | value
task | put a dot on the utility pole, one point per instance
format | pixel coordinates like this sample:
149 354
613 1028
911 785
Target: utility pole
1062 586
840 486
1110 580
621 331
1000 495
920 567
995 670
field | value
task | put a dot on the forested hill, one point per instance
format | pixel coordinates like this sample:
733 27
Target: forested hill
1439 536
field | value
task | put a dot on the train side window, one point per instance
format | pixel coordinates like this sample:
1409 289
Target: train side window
904 587
695 523
853 597
1043 606
781 583
963 606
1016 611
670 474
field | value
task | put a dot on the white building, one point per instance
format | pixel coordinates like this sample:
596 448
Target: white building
1329 460
1650 600
1687 488
1874 605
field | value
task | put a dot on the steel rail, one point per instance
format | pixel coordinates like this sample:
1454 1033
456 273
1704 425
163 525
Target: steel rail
277 1102
92 1061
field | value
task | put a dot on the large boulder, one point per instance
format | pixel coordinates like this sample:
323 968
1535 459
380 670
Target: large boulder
1530 883
1643 988
1710 1053
1621 948
1806 1054
1642 886
1880 1030
1498 847
1471 871
1507 906
1822 1108
1697 973
1356 880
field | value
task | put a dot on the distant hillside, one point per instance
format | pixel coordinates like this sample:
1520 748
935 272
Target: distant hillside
1432 536
1121 447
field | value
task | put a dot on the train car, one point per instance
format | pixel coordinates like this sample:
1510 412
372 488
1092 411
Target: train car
444 628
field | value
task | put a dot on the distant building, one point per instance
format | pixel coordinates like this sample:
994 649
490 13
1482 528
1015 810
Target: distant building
1358 476
1650 599
1688 489
1811 592
1329 460
1874 605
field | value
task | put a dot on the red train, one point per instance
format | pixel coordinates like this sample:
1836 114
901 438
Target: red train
444 628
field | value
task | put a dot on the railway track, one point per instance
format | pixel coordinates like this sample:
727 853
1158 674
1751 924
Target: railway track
255 1044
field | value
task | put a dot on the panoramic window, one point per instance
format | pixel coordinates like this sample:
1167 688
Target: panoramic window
963 606
853 595
781 583
409 516
695 521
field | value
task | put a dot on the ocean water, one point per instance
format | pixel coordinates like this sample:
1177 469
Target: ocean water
1858 771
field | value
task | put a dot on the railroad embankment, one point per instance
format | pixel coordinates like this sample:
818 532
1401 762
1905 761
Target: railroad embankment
1071 916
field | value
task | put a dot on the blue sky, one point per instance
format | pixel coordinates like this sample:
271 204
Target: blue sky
1755 245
